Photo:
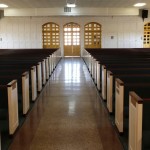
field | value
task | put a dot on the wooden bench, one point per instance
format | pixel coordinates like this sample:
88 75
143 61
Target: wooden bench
23 88
105 65
24 60
139 131
130 72
121 98
9 104
33 78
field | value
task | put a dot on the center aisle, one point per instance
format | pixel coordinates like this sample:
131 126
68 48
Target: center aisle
73 116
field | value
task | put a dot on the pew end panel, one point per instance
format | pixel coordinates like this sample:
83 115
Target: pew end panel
119 104
104 82
25 92
90 64
98 76
95 71
33 83
39 76
92 72
43 72
50 64
47 68
110 91
135 121
53 61
12 90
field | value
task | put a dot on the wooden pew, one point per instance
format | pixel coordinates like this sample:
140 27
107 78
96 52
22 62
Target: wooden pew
123 72
9 104
23 88
139 125
45 69
33 79
122 89
28 68
109 60
113 61
24 62
45 65
103 74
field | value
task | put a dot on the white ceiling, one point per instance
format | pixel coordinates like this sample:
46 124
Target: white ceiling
79 3
84 7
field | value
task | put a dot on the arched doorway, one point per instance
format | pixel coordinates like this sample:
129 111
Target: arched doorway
71 39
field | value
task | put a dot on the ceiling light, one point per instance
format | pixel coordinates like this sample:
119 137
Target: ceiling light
3 6
71 5
139 4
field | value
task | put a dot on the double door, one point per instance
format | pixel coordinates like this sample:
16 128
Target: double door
71 39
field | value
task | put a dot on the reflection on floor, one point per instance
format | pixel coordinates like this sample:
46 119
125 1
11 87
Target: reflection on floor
68 115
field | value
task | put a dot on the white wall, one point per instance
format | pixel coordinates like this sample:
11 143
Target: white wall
26 32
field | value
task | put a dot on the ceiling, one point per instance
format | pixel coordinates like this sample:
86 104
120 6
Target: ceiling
84 7
79 3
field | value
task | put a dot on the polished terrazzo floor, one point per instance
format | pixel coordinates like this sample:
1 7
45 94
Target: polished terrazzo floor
68 115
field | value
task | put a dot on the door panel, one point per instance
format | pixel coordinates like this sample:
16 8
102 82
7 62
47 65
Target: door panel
67 50
76 50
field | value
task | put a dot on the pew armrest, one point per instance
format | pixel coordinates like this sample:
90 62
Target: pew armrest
135 98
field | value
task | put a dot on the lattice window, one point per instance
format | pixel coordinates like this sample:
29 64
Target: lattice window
50 32
92 35
146 40
72 34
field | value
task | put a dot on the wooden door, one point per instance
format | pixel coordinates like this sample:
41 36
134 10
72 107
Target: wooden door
71 39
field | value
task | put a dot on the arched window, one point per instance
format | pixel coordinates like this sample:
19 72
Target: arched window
146 40
92 35
50 32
